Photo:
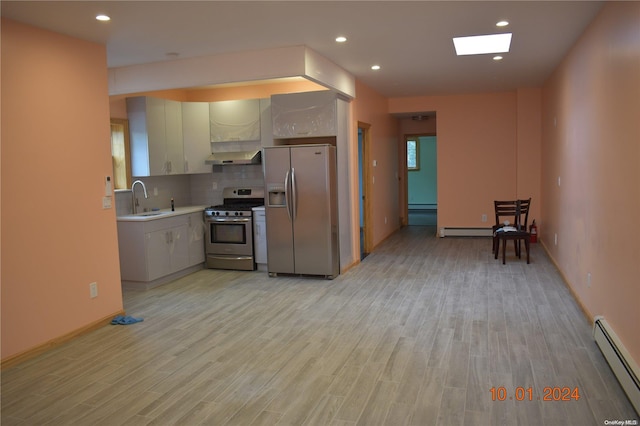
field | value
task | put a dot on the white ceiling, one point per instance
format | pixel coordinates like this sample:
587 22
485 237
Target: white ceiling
411 40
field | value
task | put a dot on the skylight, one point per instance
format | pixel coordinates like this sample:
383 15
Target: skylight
479 45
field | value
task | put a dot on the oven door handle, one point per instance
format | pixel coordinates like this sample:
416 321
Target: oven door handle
230 219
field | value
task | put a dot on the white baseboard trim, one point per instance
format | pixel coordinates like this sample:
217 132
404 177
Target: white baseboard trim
623 366
465 232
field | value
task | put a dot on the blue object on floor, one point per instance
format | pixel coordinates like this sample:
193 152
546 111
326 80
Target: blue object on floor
115 320
125 320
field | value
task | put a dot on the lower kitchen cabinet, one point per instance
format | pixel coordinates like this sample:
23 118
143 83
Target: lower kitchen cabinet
156 251
196 232
166 251
260 237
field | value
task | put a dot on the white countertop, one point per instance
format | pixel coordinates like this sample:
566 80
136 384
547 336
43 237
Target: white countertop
160 214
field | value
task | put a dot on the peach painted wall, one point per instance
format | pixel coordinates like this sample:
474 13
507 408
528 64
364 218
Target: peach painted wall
118 104
56 238
591 140
480 152
252 91
371 108
528 146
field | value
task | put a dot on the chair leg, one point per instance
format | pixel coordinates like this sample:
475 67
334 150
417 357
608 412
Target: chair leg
504 251
526 245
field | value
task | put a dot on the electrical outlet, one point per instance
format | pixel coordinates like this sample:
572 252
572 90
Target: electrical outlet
385 220
484 217
555 239
214 185
558 180
155 191
106 202
588 279
93 290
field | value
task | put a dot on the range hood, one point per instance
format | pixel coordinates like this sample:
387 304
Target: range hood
237 157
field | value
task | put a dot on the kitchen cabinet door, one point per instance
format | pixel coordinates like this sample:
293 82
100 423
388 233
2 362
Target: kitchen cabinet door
235 121
196 233
157 254
260 236
166 251
302 115
195 134
174 142
155 127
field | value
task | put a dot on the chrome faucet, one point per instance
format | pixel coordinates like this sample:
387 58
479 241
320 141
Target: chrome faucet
133 195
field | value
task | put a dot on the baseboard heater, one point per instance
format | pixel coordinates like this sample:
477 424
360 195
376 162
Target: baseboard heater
465 232
621 363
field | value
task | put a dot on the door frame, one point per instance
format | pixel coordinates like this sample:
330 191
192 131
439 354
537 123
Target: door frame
366 187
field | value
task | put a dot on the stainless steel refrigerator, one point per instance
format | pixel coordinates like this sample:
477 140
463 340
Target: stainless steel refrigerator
301 210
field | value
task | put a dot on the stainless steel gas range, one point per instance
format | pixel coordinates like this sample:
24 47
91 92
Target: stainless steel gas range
229 243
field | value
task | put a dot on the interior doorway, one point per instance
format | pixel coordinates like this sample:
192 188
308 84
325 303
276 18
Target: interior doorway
422 180
364 189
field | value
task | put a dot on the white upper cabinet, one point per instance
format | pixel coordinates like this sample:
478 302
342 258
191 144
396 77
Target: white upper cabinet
155 127
175 143
236 120
195 133
301 115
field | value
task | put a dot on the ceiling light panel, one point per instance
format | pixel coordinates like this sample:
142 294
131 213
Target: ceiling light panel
483 44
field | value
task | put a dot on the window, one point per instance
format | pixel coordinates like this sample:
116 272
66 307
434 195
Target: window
120 153
413 154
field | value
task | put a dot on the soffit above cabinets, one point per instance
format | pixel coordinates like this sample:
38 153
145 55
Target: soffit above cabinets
296 61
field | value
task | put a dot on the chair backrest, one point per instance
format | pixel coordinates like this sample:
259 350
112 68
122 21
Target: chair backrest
516 211
522 214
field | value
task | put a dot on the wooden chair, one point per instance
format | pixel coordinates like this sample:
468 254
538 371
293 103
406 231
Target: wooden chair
518 210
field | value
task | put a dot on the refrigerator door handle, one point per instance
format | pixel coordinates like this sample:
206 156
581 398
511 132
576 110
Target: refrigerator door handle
294 193
287 194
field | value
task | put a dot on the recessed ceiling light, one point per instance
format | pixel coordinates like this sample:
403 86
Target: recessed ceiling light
478 45
341 39
375 67
497 58
502 23
103 18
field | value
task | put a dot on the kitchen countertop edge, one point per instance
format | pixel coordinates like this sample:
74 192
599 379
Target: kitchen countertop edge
164 213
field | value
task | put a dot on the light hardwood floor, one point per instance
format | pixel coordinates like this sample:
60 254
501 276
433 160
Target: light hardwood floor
417 334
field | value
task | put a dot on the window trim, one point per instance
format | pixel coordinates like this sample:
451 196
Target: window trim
415 141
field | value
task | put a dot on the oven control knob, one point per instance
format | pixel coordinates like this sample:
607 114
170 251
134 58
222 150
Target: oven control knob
238 214
226 213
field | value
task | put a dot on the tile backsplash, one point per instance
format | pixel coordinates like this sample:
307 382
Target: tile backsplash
206 189
189 190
